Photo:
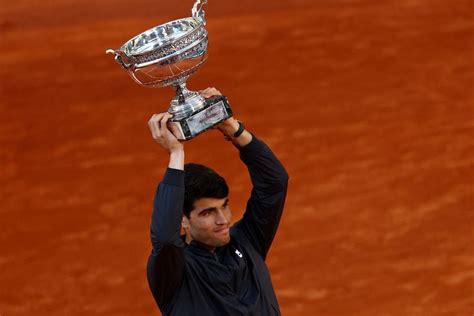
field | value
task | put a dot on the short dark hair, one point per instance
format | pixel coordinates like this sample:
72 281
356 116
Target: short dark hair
201 182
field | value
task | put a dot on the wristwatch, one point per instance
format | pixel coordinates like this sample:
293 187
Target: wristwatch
240 130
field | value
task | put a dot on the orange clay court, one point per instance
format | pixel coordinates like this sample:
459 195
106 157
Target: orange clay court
369 105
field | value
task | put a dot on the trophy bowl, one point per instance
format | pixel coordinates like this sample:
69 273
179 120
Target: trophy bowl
167 55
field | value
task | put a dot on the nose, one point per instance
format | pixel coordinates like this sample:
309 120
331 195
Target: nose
221 218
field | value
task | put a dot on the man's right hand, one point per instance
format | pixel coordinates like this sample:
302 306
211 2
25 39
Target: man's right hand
165 136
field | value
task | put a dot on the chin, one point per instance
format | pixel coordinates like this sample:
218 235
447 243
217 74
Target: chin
223 242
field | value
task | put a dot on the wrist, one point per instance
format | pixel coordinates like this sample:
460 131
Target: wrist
240 130
177 159
229 127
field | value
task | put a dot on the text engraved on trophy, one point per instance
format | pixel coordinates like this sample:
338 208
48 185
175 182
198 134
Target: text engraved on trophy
207 118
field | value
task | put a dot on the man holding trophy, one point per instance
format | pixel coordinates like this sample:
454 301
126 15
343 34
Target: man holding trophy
215 268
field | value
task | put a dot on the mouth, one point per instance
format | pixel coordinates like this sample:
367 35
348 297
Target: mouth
223 230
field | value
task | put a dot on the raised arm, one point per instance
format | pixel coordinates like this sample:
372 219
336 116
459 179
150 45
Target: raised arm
270 180
166 262
265 205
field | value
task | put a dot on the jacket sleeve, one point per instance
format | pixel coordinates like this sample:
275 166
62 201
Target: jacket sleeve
166 262
265 205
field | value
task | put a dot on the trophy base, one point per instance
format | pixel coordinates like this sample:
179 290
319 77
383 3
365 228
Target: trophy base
215 111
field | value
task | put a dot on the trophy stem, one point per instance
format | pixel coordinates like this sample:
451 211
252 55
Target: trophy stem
181 91
185 102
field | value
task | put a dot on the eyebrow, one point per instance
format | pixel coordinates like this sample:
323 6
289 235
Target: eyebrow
209 209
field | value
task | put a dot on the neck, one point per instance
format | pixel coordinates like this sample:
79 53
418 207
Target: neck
188 240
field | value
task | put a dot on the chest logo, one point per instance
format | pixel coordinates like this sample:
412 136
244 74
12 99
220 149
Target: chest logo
238 253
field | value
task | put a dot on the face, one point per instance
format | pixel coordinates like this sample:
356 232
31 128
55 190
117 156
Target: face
209 222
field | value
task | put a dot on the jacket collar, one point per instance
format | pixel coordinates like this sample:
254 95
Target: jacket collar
197 248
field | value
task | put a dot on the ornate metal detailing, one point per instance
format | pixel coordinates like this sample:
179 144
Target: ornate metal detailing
172 48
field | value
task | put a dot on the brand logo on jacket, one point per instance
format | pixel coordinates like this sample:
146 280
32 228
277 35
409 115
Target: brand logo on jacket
238 253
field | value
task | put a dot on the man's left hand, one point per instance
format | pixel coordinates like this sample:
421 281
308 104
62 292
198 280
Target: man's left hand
227 127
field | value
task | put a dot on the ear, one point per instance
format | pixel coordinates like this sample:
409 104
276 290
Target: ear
185 222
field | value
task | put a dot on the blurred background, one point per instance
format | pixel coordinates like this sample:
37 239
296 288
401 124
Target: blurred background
369 105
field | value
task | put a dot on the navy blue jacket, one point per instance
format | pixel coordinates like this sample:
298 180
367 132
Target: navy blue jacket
189 280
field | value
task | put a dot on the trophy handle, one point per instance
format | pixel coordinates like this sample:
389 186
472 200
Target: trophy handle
198 12
121 58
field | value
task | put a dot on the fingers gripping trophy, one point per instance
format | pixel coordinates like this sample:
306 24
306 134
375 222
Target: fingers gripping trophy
166 55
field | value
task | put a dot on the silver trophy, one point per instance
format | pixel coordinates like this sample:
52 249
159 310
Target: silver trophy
166 55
